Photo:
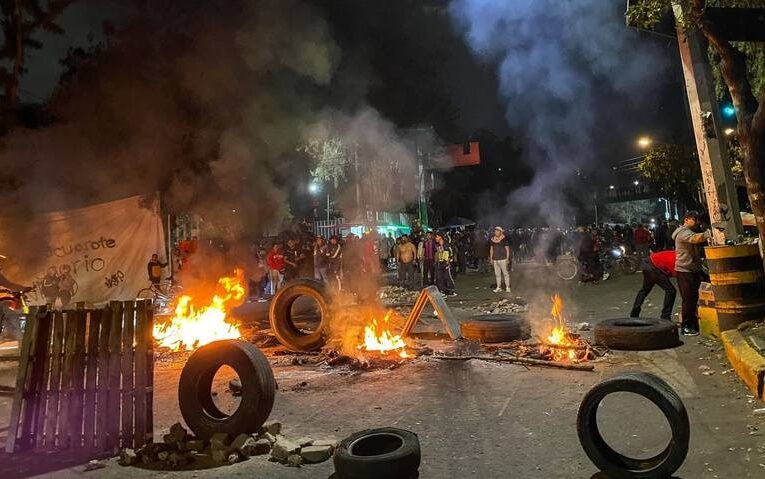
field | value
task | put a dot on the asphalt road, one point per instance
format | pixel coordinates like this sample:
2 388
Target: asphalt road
487 420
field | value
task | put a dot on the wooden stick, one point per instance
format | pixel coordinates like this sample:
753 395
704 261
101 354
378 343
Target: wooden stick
535 362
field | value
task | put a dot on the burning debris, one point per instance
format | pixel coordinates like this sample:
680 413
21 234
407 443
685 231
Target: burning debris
396 295
504 306
377 337
192 326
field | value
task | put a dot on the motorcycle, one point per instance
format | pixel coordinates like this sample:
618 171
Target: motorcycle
13 312
617 259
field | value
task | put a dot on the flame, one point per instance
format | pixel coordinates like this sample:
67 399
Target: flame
379 338
559 334
192 327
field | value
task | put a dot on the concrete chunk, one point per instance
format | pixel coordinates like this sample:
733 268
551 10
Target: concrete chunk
195 445
305 441
128 457
219 456
233 458
294 460
274 428
316 454
219 441
262 446
239 441
283 449
268 436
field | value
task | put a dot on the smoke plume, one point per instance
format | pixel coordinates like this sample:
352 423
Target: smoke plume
569 73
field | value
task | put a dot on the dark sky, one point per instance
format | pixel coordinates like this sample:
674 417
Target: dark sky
409 60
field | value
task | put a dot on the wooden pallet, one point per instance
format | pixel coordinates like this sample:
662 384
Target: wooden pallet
85 380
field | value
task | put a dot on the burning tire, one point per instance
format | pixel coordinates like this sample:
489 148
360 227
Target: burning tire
496 328
611 462
631 334
258 389
383 453
288 334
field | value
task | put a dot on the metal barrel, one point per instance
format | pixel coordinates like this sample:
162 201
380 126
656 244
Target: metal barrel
738 283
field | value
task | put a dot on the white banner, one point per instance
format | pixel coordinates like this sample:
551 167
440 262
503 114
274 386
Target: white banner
93 254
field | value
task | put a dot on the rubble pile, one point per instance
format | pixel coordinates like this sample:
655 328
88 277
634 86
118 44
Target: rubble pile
392 295
504 306
180 449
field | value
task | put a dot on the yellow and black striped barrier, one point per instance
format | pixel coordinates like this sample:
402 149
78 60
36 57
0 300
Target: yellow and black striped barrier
738 284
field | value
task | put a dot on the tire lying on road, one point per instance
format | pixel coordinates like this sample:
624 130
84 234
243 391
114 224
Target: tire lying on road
280 315
496 328
611 462
637 334
257 394
382 453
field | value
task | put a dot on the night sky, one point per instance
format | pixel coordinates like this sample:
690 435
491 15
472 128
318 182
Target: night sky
412 62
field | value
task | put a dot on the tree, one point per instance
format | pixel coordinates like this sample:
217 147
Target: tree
21 19
740 67
673 170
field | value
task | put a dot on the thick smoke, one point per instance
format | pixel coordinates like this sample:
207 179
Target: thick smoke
570 73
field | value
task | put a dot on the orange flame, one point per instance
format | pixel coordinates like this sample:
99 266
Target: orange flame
192 327
559 335
379 338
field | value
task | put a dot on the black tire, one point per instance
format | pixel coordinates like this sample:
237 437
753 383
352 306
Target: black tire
637 334
280 315
611 462
382 453
496 328
258 389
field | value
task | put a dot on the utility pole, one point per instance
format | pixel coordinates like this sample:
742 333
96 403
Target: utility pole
719 187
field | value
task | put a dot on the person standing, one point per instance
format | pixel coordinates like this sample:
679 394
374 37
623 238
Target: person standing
293 258
657 269
154 268
335 262
406 253
275 261
499 255
444 279
320 261
428 260
688 269
643 240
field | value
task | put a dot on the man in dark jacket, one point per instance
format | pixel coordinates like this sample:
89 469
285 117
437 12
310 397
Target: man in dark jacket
154 268
657 269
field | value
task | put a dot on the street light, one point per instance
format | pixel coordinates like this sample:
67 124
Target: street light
644 141
729 131
611 187
636 182
314 188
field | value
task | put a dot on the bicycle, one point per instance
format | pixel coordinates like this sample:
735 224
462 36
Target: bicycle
162 294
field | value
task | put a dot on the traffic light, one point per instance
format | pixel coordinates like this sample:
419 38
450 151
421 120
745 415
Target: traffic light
729 111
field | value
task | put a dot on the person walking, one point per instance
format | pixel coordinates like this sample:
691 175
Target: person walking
499 255
657 269
643 240
444 279
406 253
688 269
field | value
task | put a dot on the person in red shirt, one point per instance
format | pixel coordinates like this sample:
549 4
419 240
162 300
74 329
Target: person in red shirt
275 261
657 269
643 239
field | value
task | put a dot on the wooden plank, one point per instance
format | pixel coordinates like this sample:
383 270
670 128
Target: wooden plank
149 338
91 359
78 379
414 314
128 339
113 398
140 375
30 332
53 395
66 379
102 393
39 388
37 361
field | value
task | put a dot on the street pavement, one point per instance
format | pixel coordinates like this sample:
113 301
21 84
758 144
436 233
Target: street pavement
489 420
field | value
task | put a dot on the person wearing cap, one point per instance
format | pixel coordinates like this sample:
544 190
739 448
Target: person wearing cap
657 269
444 279
688 242
499 255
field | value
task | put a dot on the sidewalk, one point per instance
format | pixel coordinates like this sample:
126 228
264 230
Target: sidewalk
745 349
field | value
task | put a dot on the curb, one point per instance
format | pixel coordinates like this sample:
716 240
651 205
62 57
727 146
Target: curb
748 363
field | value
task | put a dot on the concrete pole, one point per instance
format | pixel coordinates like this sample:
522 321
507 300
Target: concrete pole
719 187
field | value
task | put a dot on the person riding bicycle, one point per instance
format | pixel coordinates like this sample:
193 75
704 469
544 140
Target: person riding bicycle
154 268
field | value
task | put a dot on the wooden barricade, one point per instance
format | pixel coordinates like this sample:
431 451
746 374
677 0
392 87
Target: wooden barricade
85 380
445 314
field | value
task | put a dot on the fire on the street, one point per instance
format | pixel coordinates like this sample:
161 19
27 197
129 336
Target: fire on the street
193 326
379 338
560 344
